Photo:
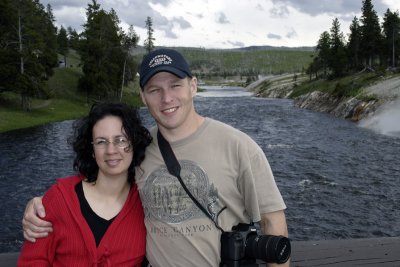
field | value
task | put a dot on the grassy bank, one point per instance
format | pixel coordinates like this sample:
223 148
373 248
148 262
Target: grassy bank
66 103
349 86
247 62
45 111
53 110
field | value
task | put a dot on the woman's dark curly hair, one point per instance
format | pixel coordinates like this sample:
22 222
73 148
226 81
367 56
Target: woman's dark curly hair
137 134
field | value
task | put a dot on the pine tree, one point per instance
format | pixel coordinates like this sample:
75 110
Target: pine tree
323 49
27 50
62 42
129 41
353 45
49 32
391 42
371 36
9 67
149 42
101 53
337 53
73 38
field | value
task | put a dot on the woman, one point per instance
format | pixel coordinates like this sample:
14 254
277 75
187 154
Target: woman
97 215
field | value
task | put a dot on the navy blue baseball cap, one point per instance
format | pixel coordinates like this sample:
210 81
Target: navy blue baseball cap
164 59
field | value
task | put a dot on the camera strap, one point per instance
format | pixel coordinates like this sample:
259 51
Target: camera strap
174 168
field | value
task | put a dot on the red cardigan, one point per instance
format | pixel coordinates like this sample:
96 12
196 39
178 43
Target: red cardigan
72 242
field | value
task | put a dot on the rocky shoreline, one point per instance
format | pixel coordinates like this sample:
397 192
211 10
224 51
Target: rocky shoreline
346 108
384 92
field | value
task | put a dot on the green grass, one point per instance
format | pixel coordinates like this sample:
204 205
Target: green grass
57 110
265 86
66 103
46 111
349 86
248 62
73 59
64 82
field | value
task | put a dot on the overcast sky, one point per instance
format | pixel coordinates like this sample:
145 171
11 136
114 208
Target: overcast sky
225 23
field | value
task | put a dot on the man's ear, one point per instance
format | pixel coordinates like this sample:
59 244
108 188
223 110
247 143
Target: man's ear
193 85
142 97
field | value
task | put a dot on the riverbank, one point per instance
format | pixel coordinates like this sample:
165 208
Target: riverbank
376 107
364 104
65 102
46 111
373 252
373 105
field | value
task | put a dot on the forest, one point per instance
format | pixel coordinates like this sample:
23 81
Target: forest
370 46
30 47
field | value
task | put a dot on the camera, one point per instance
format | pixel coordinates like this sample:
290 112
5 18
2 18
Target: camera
243 246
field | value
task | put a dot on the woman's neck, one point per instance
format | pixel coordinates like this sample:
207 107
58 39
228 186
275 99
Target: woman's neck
106 197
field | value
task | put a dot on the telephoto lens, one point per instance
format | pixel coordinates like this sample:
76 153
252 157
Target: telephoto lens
268 248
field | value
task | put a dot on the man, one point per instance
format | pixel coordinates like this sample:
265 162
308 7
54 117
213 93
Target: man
221 166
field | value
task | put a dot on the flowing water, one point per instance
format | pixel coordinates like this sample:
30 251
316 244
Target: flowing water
338 180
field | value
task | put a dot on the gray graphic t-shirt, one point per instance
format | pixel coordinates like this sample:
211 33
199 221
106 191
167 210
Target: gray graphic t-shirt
222 167
166 200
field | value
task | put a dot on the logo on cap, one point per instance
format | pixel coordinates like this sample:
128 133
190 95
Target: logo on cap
160 60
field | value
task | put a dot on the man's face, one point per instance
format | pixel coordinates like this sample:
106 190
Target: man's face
170 100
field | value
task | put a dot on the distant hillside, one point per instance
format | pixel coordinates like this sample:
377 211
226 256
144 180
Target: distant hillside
247 48
244 62
281 48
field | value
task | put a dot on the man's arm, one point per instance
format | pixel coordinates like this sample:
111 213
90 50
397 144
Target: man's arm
33 226
274 223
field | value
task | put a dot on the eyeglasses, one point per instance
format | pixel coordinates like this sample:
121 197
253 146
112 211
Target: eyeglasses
120 142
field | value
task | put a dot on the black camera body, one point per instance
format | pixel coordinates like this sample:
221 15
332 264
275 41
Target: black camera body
243 246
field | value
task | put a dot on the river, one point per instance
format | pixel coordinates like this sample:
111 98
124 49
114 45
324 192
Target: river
338 180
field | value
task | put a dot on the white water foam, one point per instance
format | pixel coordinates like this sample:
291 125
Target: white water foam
223 91
386 120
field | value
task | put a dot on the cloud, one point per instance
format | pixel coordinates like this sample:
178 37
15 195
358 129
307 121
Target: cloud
279 12
170 34
291 34
314 8
168 29
171 19
135 13
169 26
64 18
345 8
197 15
259 7
222 18
132 12
129 12
274 36
161 2
235 44
183 24
56 4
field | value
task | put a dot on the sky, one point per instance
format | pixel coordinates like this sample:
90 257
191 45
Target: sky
225 23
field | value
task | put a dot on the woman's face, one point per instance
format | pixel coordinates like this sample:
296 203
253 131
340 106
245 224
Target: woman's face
110 145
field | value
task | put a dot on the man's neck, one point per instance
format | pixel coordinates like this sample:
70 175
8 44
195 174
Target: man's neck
173 135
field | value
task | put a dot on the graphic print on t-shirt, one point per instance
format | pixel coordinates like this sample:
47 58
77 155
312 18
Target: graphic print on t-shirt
164 198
